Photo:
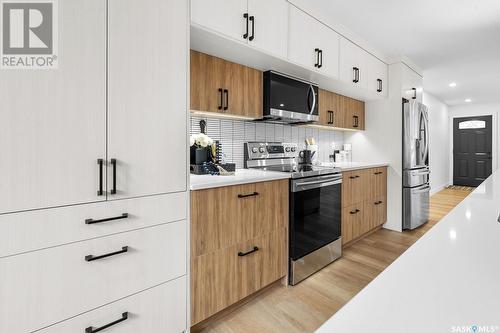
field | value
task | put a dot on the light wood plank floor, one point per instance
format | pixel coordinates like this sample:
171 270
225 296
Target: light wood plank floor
305 307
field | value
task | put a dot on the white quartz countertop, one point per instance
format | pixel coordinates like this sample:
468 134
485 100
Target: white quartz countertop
241 176
448 281
246 176
349 166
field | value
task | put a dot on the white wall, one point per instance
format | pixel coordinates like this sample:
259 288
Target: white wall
475 110
439 148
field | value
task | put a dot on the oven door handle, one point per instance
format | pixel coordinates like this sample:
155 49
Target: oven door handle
320 183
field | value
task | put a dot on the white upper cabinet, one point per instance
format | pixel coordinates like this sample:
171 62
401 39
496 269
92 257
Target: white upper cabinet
260 23
222 16
412 84
147 96
53 122
377 76
352 64
312 44
268 25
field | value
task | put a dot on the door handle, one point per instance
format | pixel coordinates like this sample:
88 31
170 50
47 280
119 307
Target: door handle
354 211
91 257
248 195
221 99
379 85
320 59
377 202
242 254
356 121
252 19
414 93
113 165
317 57
226 93
100 190
245 35
90 329
356 74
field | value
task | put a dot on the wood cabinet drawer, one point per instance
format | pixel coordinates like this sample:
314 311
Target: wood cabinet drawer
224 216
221 278
159 309
47 286
352 220
375 213
353 187
29 231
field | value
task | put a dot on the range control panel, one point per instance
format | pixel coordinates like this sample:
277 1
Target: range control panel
265 150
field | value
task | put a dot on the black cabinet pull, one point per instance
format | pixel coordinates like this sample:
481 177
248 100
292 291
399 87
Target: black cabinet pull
92 221
356 121
330 117
353 177
377 202
90 329
242 254
91 257
100 190
245 35
355 71
317 57
320 59
248 195
414 93
354 211
252 19
226 93
113 165
379 89
378 173
221 104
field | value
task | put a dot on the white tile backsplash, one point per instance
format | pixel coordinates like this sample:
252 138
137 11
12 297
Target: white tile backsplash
232 134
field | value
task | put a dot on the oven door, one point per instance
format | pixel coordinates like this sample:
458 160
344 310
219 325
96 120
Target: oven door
315 213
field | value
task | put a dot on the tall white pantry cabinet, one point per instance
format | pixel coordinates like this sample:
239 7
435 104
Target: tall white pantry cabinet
93 175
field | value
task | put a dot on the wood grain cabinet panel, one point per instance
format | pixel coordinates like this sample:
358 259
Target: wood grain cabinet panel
222 278
329 109
238 243
221 86
364 206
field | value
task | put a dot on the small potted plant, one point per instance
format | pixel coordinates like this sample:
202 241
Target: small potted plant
200 145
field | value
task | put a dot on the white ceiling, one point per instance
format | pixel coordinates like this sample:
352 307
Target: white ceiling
450 40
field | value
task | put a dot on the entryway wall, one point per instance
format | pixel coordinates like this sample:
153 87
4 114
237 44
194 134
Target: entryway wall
468 110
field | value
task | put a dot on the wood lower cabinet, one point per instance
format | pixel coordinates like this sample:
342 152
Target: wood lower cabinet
225 87
364 206
238 243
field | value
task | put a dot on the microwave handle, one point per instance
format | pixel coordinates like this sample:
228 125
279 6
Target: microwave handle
314 99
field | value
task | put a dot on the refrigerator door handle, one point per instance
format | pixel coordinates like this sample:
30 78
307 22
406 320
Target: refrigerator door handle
426 135
418 190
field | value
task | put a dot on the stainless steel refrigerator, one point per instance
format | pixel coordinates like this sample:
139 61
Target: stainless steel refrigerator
416 171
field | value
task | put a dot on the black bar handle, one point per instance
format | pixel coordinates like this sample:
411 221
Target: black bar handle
377 202
354 211
378 173
90 329
352 177
330 117
316 50
379 89
113 165
414 93
356 121
242 254
245 35
100 190
248 195
320 59
252 19
92 221
355 71
91 257
221 104
226 93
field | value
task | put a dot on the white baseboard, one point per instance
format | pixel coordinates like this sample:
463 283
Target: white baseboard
438 188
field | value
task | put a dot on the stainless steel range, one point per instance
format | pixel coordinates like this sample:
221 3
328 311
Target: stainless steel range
315 206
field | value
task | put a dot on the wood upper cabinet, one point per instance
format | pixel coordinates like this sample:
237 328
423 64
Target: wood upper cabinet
364 206
238 243
329 109
353 112
225 87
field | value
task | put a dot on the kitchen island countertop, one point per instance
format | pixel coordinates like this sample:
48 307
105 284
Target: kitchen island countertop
448 281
